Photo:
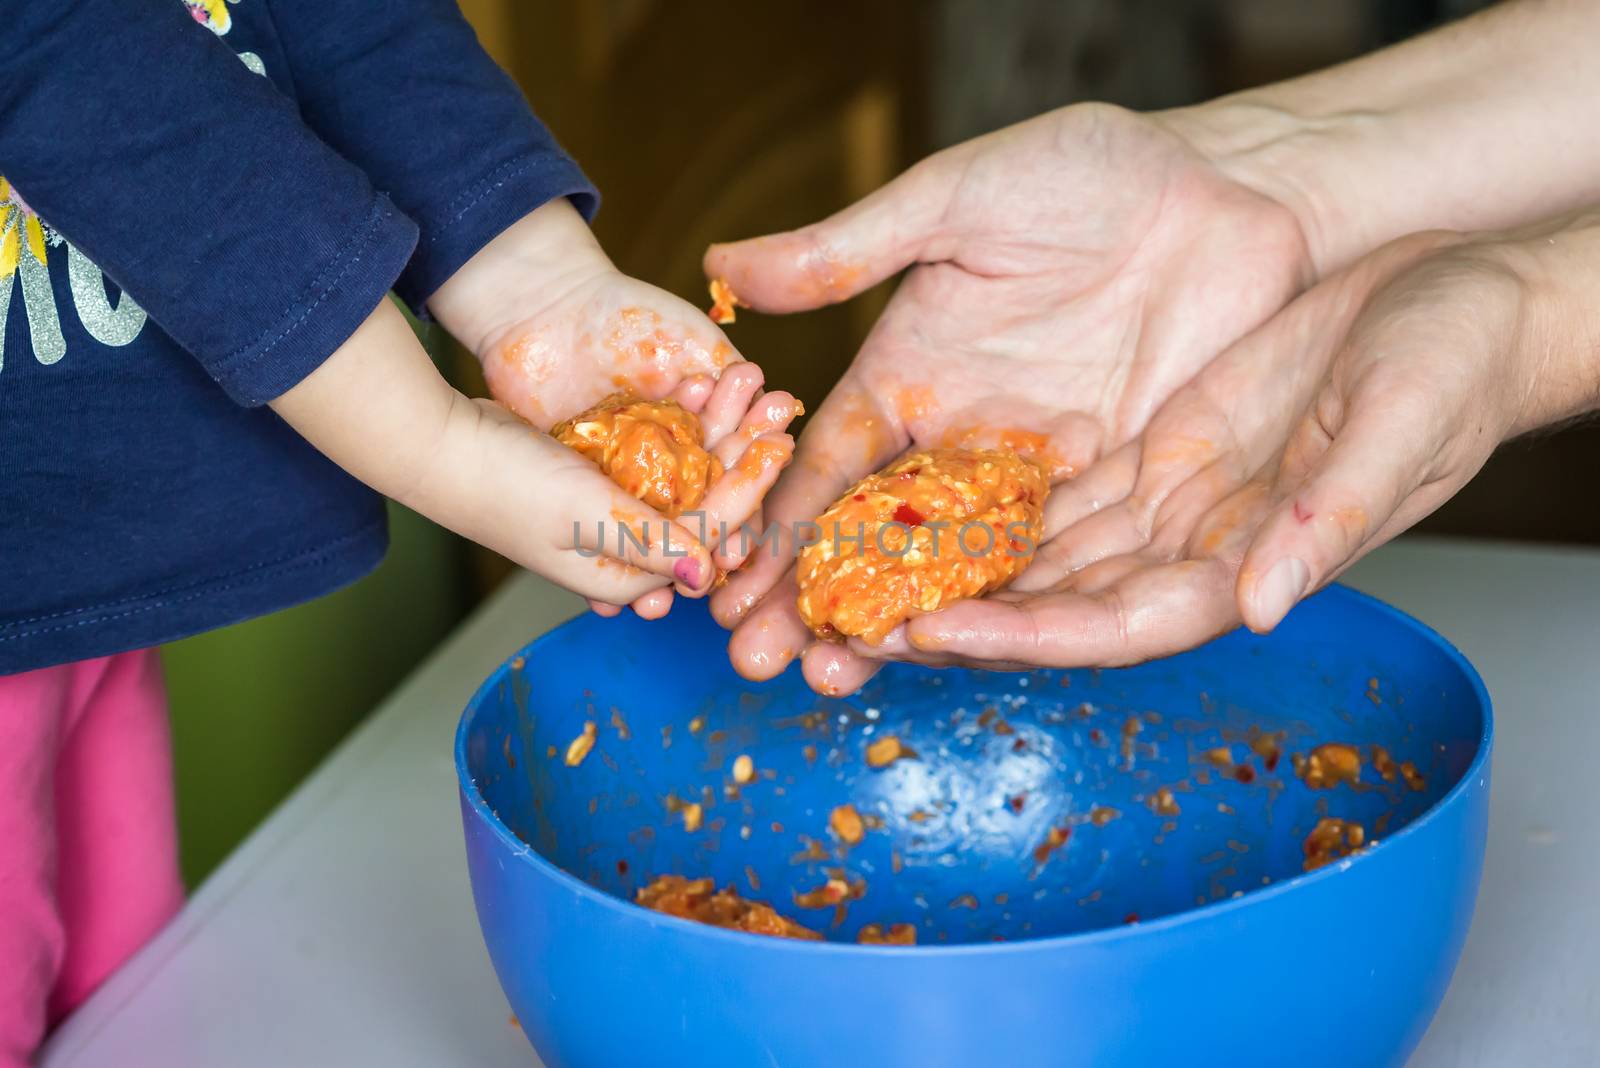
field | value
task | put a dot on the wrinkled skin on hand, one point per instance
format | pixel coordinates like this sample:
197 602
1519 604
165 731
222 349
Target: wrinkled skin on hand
1348 417
1067 275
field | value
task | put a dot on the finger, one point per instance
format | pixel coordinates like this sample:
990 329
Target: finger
734 503
693 392
1149 612
833 670
899 648
625 530
766 413
1122 610
1125 500
1115 531
653 605
846 253
770 637
1104 483
608 584
738 494
729 402
850 435
1373 463
542 505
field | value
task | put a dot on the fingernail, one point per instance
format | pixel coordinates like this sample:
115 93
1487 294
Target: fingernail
1284 585
687 571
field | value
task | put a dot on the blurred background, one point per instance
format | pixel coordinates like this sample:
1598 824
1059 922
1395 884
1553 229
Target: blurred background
716 120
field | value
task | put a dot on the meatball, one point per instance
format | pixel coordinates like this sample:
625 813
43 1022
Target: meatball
652 449
933 528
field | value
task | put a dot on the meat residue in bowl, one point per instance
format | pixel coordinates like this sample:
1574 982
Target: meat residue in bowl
1328 769
701 901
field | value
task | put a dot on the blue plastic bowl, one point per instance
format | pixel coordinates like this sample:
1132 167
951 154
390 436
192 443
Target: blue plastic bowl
1236 958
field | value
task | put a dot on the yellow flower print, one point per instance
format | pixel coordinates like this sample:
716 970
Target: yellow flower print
212 14
20 230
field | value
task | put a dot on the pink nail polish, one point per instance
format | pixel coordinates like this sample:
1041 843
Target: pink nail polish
687 571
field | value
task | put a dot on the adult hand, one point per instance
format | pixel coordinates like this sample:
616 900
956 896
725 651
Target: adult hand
1067 275
1344 420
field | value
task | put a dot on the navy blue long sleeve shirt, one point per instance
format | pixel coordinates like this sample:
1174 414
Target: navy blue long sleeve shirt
201 200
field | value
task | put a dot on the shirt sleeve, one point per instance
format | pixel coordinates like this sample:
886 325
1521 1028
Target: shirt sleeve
195 186
403 89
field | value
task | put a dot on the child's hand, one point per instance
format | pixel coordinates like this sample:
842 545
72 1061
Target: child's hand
558 328
744 429
379 409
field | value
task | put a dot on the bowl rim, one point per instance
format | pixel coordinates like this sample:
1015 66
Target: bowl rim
625 909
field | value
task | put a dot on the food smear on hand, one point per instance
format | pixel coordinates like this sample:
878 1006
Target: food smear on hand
933 528
723 301
652 449
701 901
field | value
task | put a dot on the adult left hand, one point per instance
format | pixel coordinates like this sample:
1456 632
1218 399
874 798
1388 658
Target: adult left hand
1066 276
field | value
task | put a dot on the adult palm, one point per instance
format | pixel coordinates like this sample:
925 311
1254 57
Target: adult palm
1068 274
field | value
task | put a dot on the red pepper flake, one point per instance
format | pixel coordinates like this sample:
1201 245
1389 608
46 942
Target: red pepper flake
908 515
1245 773
1131 918
622 867
1017 802
859 497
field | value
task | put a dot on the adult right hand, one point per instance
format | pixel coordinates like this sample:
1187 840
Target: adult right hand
1352 414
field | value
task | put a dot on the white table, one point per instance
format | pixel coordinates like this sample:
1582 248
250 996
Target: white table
342 932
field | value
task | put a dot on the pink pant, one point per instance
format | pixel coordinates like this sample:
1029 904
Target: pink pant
88 850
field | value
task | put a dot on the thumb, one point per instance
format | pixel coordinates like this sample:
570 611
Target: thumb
1340 510
844 254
